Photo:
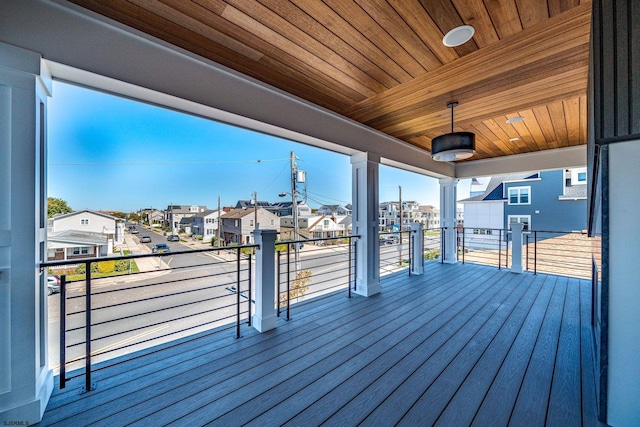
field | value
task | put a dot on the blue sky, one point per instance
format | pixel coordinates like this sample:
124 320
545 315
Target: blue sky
110 153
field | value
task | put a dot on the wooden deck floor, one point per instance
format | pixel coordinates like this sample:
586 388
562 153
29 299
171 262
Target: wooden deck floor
460 345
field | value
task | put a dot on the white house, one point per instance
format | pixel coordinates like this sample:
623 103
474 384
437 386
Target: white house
205 224
82 234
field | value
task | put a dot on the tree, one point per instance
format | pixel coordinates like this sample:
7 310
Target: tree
57 206
298 287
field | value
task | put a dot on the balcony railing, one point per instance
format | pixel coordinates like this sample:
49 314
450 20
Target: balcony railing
325 265
187 292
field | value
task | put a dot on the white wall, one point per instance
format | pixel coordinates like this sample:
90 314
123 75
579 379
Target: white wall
624 285
97 223
484 215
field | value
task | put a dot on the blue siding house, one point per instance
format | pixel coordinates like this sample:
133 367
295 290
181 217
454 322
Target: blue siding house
553 200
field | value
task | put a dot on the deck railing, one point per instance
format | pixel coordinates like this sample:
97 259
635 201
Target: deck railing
395 251
179 293
487 246
325 265
559 252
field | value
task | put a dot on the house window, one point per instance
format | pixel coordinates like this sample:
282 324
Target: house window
80 251
273 222
326 223
522 219
519 196
582 177
236 222
251 223
84 221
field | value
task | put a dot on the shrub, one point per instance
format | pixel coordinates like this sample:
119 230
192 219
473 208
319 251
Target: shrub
106 266
298 287
432 254
81 269
121 265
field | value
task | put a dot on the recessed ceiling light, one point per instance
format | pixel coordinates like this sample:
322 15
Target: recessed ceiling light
514 139
517 119
459 35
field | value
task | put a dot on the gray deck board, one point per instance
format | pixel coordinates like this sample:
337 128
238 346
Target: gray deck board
459 345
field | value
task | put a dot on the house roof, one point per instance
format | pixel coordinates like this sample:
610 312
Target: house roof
207 213
249 204
494 188
240 213
574 192
77 237
84 211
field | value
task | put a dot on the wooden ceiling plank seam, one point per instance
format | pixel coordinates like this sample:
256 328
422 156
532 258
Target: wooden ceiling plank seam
557 7
315 29
583 120
532 12
388 19
556 111
353 88
264 72
499 146
525 97
504 14
287 29
349 35
423 25
189 22
543 117
370 29
481 89
474 13
522 130
572 120
531 122
446 17
508 57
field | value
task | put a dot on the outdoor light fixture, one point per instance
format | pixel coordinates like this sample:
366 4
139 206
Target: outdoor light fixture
453 146
458 36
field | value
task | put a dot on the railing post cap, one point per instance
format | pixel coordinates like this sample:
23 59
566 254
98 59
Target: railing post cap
264 231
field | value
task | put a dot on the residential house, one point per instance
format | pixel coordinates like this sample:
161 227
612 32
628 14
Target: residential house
248 204
548 201
389 215
285 208
238 224
314 227
153 217
205 224
83 234
334 210
175 213
430 216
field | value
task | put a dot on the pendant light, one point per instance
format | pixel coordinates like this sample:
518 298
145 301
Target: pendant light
453 146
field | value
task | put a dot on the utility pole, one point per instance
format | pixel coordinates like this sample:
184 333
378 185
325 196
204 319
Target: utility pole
219 223
294 207
255 210
400 207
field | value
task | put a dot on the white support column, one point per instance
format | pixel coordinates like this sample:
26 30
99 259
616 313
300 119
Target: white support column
264 318
417 250
516 247
364 195
448 199
26 381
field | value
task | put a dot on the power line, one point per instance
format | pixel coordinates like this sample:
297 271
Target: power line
165 163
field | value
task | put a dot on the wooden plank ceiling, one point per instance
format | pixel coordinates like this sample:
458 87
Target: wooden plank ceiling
383 63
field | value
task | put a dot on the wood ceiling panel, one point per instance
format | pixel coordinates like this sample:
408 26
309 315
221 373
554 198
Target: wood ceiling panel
323 42
474 12
505 16
360 20
341 29
383 64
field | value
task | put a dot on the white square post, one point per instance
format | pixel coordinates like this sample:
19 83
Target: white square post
264 318
364 195
448 205
516 246
417 248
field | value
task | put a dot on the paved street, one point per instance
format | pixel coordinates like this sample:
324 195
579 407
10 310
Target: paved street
182 295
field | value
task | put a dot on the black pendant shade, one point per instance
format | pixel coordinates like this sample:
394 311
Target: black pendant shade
453 146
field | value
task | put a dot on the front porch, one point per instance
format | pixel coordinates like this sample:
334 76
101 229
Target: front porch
459 345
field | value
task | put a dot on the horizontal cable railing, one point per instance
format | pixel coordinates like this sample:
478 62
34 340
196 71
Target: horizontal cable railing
394 250
432 243
321 267
486 246
105 314
558 252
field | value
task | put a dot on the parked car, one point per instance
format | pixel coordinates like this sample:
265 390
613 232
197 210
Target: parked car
160 248
145 239
53 285
173 238
135 231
